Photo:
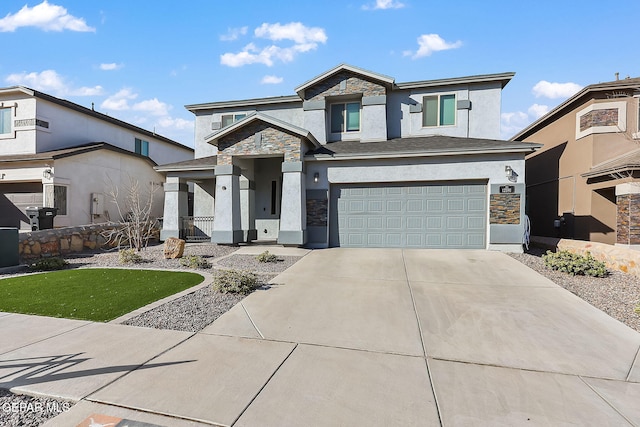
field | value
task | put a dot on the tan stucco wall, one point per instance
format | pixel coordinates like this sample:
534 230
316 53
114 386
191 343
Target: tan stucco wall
554 182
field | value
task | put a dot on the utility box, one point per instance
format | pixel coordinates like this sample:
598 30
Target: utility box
34 221
9 256
46 216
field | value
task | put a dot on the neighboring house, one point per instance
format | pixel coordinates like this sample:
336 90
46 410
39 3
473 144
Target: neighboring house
355 159
584 183
55 153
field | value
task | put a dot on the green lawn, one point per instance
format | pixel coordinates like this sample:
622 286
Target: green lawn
90 294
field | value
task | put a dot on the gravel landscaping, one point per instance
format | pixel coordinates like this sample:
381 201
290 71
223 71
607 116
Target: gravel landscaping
616 294
19 410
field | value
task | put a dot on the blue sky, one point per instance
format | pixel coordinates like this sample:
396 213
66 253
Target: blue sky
142 61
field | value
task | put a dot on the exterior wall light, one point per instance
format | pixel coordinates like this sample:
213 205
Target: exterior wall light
316 177
46 174
508 171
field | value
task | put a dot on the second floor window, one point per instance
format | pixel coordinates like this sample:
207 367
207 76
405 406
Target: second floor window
229 119
439 110
345 117
5 120
142 147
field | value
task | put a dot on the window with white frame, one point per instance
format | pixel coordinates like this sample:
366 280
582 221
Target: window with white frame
345 117
142 147
229 119
5 120
439 110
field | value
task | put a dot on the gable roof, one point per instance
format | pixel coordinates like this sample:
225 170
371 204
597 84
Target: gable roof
436 145
72 151
569 104
258 116
386 80
90 112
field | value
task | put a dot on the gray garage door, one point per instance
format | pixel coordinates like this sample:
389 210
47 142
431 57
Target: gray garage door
412 215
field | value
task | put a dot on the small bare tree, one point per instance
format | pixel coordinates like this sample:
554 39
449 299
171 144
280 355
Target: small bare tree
136 225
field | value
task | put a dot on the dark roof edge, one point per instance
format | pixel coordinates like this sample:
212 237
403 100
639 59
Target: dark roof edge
101 116
244 102
81 149
480 78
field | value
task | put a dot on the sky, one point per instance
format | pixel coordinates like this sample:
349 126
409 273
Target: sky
142 61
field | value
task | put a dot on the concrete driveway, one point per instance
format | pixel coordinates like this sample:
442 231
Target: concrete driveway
364 337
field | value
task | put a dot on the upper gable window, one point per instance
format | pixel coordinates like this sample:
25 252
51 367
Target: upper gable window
142 147
229 119
5 120
345 117
439 110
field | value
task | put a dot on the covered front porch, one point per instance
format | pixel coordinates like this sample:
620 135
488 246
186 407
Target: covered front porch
253 190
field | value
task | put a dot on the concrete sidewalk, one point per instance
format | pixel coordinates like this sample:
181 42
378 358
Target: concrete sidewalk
351 337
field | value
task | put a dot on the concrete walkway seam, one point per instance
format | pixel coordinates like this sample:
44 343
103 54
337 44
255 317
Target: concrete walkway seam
264 385
606 400
251 320
633 363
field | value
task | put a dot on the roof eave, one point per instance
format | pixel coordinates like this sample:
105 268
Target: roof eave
405 154
504 78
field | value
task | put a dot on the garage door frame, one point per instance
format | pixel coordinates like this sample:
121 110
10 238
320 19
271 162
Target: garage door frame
412 226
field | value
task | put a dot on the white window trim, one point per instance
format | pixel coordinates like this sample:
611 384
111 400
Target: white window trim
621 126
234 118
438 95
12 132
636 134
347 135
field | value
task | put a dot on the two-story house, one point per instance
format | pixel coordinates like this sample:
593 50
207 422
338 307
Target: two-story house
356 159
55 153
584 182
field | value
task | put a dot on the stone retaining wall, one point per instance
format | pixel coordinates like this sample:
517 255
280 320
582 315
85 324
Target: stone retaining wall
61 241
615 257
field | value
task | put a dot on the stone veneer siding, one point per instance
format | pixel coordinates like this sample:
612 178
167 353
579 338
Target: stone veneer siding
273 141
61 241
628 223
605 117
504 209
317 212
356 85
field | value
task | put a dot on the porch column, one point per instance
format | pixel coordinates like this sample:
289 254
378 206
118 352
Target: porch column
247 208
175 206
227 227
293 214
628 204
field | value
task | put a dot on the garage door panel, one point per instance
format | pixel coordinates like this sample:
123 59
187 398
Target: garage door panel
428 215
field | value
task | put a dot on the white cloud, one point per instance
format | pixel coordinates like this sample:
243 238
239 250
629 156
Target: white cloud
119 101
294 31
429 43
175 123
271 80
537 111
305 39
111 66
47 17
234 34
51 82
384 4
512 123
152 106
555 90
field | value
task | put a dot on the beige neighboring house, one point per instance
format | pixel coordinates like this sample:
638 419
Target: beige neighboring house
55 153
585 181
